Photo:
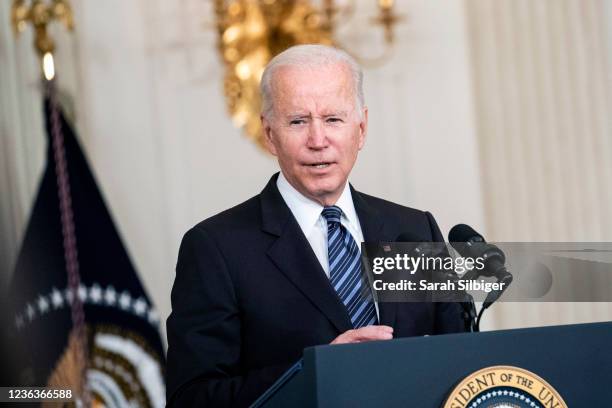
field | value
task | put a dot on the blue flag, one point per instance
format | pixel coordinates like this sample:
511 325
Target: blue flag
78 313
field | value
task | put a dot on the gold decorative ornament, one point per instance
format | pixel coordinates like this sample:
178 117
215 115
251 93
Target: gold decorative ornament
40 14
251 32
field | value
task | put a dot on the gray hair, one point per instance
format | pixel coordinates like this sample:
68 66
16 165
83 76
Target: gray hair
311 56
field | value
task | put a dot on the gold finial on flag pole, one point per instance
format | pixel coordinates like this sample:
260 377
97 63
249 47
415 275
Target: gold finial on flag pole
40 13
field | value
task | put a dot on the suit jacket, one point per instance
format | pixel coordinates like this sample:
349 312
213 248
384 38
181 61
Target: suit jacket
250 295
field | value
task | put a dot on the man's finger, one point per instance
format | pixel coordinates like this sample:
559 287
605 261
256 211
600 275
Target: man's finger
367 333
372 333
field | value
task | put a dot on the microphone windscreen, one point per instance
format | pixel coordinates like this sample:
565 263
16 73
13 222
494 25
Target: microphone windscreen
462 233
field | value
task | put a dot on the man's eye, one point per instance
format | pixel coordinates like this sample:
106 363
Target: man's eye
297 122
333 120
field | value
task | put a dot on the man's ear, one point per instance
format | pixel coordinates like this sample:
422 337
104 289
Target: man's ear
267 133
363 127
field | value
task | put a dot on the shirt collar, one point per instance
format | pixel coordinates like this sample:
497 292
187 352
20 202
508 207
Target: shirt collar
307 211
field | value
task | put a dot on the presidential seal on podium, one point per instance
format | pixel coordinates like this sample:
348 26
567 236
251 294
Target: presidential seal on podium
504 387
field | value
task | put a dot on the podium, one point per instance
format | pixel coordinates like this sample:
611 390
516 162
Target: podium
421 372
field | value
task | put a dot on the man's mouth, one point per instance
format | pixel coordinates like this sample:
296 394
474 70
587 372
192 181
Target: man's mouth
320 165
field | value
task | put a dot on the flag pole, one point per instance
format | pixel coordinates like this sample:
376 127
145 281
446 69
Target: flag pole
69 238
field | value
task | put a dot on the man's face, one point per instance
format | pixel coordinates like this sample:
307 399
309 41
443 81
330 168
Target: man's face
314 129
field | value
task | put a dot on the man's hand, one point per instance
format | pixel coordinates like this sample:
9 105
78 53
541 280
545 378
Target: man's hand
367 333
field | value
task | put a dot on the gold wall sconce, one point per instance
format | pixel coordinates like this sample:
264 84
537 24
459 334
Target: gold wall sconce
40 14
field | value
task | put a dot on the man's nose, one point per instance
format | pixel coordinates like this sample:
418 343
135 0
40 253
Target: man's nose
317 138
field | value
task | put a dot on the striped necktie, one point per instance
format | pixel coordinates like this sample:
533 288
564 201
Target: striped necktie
345 270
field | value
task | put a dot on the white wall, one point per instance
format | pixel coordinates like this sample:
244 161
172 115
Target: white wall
145 81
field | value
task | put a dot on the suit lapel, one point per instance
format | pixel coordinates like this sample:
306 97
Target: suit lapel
372 226
292 254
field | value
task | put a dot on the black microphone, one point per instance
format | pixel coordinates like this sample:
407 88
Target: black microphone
471 244
429 248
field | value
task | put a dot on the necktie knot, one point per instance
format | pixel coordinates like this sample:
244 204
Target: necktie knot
332 214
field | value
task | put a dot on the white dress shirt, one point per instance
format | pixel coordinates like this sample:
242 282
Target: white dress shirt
314 226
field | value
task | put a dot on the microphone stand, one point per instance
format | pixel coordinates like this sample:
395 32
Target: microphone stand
470 321
504 278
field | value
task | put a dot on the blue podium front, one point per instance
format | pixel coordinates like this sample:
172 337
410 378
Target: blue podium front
552 367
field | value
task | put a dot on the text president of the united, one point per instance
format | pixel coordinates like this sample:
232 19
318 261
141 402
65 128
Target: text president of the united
258 283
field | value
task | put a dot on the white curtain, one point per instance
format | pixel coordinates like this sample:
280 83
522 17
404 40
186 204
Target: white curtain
21 137
543 105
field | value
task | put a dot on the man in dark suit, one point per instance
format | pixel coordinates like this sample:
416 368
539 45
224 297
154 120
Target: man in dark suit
258 283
